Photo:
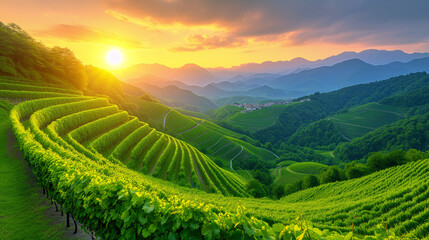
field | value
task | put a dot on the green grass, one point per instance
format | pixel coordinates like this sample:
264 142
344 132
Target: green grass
287 177
222 130
286 163
192 113
362 119
152 110
298 171
257 120
398 193
83 125
308 168
22 209
207 135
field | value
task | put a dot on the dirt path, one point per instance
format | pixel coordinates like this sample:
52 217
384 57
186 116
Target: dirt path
198 124
230 163
165 117
25 213
198 173
351 124
288 168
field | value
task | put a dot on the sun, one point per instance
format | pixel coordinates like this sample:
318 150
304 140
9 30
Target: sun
114 57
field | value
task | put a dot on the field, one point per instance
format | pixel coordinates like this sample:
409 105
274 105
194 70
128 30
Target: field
257 120
59 138
308 167
289 172
362 119
205 135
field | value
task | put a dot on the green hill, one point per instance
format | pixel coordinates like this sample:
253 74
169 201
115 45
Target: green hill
258 119
123 201
360 120
405 134
291 172
96 128
206 136
323 104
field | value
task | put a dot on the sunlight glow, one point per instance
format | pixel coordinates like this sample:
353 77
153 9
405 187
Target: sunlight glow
114 57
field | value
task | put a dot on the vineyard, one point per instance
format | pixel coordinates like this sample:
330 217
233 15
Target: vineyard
107 169
206 136
362 119
257 120
308 167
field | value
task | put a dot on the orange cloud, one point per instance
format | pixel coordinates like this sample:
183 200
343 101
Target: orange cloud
336 21
79 33
200 42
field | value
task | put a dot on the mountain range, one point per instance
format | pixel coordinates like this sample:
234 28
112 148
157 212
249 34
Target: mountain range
271 80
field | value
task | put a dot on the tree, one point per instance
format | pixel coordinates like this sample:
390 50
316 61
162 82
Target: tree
332 174
72 68
256 189
278 191
310 181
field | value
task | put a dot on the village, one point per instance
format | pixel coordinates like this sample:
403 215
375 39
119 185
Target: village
258 106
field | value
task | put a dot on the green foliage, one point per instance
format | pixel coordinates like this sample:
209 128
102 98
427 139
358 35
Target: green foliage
413 98
256 188
258 119
225 112
22 87
317 134
323 104
278 191
411 133
332 174
124 203
310 181
308 167
360 120
22 56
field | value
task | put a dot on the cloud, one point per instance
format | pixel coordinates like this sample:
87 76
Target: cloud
337 21
199 42
79 33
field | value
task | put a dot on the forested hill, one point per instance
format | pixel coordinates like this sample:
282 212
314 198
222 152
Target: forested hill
24 59
412 133
323 104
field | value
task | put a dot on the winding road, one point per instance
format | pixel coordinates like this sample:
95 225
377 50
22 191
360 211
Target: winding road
198 124
165 117
230 163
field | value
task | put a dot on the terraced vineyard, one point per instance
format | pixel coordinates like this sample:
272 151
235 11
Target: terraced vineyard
363 119
70 143
308 167
257 120
290 172
207 136
95 128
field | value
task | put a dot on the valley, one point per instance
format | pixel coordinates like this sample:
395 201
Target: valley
329 148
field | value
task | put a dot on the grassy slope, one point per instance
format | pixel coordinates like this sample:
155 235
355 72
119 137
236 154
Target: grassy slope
294 171
371 198
22 210
257 120
179 124
365 118
308 167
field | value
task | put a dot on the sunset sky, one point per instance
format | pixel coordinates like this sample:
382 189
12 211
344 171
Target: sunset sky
224 33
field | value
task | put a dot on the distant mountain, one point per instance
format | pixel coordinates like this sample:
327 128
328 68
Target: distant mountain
347 73
266 92
234 86
375 57
190 74
177 97
238 99
371 56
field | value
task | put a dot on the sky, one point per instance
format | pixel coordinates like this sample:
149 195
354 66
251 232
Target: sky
220 33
